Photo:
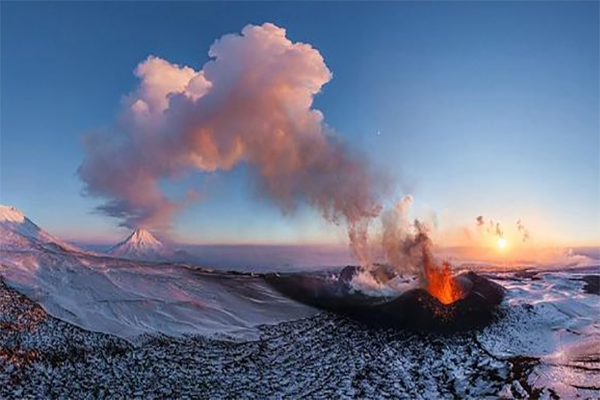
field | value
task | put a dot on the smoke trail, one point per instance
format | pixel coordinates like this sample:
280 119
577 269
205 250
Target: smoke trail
406 245
252 104
522 230
494 228
395 232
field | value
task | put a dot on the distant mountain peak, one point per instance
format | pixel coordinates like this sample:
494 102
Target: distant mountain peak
141 244
143 237
17 231
11 214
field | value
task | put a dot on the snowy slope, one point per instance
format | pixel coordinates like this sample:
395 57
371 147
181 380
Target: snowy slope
18 232
130 298
141 245
548 328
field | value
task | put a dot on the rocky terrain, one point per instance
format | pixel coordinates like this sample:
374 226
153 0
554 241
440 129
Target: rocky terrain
176 331
319 357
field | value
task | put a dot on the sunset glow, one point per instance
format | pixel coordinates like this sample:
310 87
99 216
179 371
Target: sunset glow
501 243
213 199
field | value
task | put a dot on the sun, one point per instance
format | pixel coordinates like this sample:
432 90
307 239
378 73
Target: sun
501 243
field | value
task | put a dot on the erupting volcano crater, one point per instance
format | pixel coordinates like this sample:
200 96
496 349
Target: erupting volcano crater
442 285
447 303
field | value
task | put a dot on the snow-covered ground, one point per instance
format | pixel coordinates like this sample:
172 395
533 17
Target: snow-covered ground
129 298
323 356
551 320
220 334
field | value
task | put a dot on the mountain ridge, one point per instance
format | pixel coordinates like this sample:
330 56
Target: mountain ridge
18 231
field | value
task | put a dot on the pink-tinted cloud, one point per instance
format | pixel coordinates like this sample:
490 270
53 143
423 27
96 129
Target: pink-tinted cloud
251 103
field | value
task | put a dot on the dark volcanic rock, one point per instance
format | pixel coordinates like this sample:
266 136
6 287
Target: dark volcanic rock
528 275
419 309
592 284
414 309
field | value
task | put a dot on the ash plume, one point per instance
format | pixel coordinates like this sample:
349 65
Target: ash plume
522 230
407 245
395 232
251 104
493 228
480 220
497 230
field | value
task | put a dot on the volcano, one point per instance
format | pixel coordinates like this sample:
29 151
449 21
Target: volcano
141 244
417 308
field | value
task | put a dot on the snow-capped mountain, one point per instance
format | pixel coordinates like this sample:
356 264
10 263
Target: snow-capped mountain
133 297
18 232
141 245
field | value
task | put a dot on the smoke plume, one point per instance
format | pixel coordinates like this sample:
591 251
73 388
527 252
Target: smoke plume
493 228
522 230
406 245
250 103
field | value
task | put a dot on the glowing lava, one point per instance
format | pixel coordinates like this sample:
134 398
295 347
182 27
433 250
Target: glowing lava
441 284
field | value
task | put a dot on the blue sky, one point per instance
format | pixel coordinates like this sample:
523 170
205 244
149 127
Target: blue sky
484 108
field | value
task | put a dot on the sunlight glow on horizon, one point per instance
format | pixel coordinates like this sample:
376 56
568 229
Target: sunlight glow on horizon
501 243
451 100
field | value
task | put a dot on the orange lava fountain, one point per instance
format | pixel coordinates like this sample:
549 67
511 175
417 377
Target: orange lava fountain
441 284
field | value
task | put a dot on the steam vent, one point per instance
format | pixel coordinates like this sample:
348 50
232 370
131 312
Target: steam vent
414 309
